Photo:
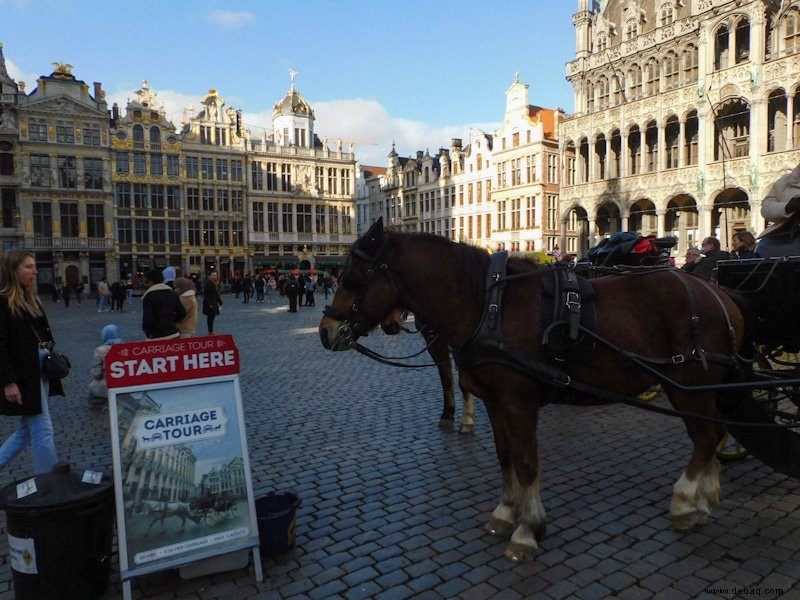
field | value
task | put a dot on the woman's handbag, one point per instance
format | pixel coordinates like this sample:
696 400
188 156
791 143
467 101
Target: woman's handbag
55 365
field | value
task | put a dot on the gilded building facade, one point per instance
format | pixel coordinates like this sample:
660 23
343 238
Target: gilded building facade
686 111
100 193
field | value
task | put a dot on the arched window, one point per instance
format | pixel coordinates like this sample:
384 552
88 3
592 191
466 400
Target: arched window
666 15
600 154
651 143
670 71
690 64
635 82
617 90
631 29
777 121
138 136
691 133
601 43
653 76
155 138
721 44
602 93
589 96
634 151
791 31
672 133
742 40
732 130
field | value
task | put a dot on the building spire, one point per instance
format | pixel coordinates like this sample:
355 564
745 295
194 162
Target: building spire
3 71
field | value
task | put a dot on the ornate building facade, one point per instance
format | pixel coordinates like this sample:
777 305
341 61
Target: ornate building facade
686 111
499 192
97 193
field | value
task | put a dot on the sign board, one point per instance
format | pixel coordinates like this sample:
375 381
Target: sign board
181 466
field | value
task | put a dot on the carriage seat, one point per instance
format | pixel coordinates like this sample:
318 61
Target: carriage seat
629 248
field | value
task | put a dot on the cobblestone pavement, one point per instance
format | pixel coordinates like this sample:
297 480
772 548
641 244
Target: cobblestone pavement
393 507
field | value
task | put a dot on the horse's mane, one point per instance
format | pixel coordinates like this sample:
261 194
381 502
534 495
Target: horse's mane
471 260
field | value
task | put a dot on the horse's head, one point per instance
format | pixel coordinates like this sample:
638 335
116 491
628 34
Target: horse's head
395 322
366 295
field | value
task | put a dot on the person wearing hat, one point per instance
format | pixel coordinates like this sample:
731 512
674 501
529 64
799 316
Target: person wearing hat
98 392
161 308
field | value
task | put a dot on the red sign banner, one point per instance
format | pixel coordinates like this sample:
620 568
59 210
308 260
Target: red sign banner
157 361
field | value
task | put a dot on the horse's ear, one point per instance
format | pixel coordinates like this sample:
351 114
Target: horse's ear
376 230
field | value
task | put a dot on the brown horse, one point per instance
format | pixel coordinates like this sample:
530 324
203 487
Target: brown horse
685 328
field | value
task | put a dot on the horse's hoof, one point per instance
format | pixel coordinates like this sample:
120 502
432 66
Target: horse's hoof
467 429
447 423
519 552
499 528
689 520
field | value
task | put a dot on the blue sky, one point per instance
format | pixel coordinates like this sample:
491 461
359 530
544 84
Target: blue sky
417 74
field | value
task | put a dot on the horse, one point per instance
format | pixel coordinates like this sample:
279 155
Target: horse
160 510
440 354
678 326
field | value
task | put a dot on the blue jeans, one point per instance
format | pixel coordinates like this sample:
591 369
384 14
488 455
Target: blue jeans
36 430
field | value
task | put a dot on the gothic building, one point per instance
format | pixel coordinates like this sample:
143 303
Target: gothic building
686 111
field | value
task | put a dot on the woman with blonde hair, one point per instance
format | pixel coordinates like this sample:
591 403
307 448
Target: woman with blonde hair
24 334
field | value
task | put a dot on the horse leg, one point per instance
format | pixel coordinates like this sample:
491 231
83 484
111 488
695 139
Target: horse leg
516 446
467 412
441 358
697 490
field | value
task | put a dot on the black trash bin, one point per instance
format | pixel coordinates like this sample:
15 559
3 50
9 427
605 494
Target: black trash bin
277 516
60 536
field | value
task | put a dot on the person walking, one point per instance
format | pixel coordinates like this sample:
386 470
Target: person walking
79 289
23 323
65 291
260 284
211 301
271 289
161 308
98 391
184 287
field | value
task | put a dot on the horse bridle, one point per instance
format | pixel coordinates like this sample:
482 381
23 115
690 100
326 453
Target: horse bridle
350 329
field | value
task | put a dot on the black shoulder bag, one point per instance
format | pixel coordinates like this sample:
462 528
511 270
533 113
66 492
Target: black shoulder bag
55 364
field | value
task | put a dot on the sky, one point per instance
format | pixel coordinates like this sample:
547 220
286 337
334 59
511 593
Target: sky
413 74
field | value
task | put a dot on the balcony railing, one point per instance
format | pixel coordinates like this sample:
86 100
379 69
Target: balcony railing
68 243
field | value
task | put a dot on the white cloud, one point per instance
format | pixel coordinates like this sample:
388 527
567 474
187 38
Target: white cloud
230 19
17 75
365 122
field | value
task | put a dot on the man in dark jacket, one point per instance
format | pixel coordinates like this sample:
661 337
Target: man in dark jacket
292 289
711 256
161 308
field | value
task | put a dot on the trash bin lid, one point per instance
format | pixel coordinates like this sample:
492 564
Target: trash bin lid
61 488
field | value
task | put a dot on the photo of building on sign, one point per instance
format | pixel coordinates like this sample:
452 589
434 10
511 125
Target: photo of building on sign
183 475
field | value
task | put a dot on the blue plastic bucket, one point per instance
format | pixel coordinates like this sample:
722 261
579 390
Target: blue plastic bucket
277 515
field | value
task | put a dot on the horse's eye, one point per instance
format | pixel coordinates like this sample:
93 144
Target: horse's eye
351 281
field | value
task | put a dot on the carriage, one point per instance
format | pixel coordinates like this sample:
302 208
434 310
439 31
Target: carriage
526 335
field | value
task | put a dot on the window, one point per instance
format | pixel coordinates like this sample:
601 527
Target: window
552 211
530 211
514 141
139 163
602 93
635 82
138 136
93 173
222 136
192 167
530 168
552 168
304 218
237 201
223 200
501 215
333 219
319 214
652 77
515 213
193 231
236 170
237 233
287 221
124 234
156 164
139 195
791 32
42 220
345 178
122 163
173 197
67 173
207 168
158 231
174 232
272 217
257 175
192 199
347 221
286 177
272 176
631 29
37 130
65 133
69 219
91 135
141 231
320 178
222 169
208 199
173 166
122 195
331 181
258 216
205 134
666 16
155 138
516 178
671 71
40 170
690 64
95 221
208 233
157 197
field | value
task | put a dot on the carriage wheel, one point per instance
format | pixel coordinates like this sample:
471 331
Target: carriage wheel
729 449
